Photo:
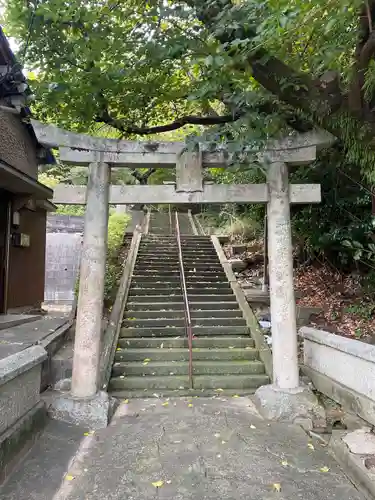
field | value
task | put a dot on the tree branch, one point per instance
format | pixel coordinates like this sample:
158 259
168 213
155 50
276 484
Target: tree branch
142 178
105 117
327 106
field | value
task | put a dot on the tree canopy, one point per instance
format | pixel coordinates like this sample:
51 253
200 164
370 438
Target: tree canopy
243 69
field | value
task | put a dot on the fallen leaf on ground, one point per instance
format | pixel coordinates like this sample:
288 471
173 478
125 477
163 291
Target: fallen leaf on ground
252 426
311 446
165 404
69 477
89 433
190 405
236 396
158 484
219 390
284 463
324 469
277 487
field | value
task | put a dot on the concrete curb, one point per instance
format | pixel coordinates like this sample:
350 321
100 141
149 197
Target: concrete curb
16 364
350 400
112 332
353 465
251 321
192 223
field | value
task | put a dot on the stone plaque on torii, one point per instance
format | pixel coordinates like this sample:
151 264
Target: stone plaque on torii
101 154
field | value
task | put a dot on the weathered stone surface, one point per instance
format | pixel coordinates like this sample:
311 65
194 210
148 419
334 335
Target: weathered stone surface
199 448
297 406
331 355
360 442
236 249
19 395
215 193
19 438
353 464
90 412
238 265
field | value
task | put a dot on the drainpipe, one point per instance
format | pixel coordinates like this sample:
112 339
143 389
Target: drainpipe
7 256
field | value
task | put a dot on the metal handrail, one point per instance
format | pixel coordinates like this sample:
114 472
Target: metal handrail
188 325
170 220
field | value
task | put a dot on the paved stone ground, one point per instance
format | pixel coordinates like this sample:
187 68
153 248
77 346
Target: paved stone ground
199 448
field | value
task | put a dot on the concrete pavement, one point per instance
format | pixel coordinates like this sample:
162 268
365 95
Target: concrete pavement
181 449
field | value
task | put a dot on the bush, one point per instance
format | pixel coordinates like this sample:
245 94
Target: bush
116 232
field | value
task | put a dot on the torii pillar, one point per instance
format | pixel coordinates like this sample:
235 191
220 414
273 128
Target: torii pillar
285 399
86 404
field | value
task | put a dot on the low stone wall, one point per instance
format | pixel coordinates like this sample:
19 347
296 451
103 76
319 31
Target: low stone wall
341 368
21 410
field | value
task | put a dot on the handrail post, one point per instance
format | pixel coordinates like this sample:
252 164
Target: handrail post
188 325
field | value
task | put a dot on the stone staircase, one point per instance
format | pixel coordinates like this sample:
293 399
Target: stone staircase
164 224
152 354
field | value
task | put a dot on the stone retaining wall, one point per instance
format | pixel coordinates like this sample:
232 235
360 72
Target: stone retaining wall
21 411
341 368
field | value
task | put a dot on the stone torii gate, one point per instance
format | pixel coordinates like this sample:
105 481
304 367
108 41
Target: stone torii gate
100 155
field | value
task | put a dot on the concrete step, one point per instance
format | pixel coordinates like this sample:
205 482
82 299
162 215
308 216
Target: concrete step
210 297
168 291
161 313
147 285
181 331
179 393
182 342
200 382
190 279
169 322
155 274
165 313
191 284
142 266
160 298
207 290
179 306
165 369
183 354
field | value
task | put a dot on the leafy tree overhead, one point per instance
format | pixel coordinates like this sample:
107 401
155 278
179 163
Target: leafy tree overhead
148 67
237 71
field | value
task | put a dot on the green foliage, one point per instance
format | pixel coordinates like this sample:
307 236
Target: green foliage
148 63
70 209
116 231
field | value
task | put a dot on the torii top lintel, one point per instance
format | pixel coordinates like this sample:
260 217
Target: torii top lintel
83 149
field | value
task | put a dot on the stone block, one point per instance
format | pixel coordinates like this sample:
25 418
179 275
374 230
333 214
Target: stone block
353 464
236 249
93 413
360 441
238 265
19 438
346 361
20 376
299 406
